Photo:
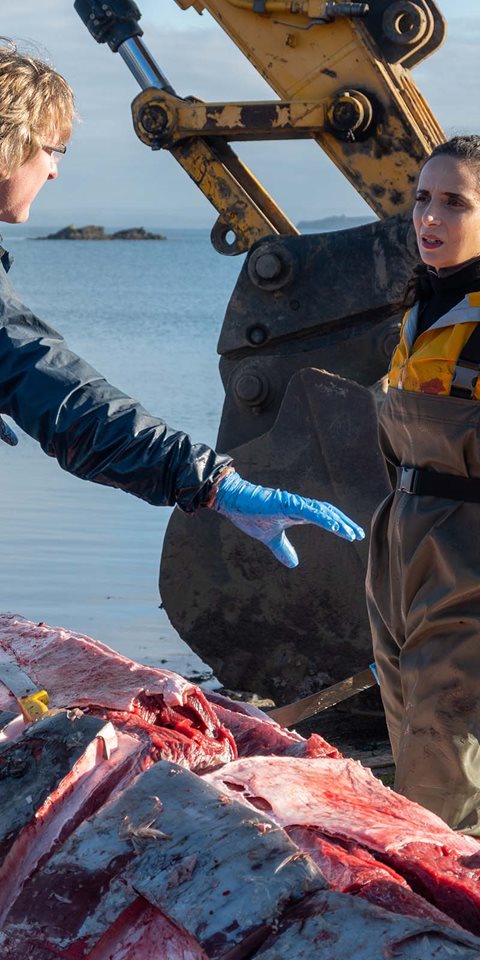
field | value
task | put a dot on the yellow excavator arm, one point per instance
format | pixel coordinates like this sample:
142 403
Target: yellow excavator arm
342 71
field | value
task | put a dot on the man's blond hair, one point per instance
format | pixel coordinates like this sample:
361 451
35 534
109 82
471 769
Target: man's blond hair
36 109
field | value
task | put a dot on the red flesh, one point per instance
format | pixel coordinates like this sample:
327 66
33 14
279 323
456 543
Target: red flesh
368 841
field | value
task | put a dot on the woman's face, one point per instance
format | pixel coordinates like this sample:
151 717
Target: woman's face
446 214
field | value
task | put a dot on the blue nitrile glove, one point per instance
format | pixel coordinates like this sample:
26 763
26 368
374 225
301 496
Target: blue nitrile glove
264 513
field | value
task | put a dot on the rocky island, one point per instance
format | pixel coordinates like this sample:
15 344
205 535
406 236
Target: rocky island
92 232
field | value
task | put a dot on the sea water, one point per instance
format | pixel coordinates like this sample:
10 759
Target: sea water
147 315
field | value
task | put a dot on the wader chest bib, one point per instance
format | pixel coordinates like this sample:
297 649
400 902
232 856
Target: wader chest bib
423 594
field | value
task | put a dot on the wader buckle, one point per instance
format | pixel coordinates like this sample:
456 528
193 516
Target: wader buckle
429 483
407 479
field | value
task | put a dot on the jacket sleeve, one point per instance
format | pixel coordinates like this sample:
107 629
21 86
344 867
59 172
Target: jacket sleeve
94 430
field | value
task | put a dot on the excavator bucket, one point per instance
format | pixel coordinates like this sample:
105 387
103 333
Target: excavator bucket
259 625
307 315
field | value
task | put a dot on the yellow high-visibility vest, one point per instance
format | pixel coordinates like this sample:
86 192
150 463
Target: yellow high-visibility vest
426 364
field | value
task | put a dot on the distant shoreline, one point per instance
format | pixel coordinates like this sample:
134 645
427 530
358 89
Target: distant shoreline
339 222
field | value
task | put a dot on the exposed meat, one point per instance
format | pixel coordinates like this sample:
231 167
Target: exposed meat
332 926
79 671
351 869
256 735
219 873
76 667
345 800
143 933
166 742
448 878
350 800
137 858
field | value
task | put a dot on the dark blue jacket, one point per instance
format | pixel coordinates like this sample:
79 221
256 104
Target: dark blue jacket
94 430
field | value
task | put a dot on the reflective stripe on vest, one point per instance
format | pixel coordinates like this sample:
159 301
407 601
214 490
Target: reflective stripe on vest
427 363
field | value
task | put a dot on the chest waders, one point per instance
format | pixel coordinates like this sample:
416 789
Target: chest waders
423 593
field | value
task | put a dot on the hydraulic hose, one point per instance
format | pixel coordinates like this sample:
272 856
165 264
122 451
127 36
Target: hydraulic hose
328 11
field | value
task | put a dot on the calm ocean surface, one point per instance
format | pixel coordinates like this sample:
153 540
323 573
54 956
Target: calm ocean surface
147 315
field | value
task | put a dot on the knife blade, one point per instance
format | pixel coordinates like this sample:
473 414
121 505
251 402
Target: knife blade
293 713
15 679
33 702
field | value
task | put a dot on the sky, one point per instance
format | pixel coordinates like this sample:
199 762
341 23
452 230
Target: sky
109 177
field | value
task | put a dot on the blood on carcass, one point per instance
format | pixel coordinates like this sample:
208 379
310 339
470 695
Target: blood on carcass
172 848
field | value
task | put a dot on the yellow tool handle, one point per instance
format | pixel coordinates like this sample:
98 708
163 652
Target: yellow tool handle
34 706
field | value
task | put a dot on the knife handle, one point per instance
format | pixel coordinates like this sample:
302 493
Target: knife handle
34 706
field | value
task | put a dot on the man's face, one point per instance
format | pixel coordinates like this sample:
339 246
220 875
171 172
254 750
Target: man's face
19 191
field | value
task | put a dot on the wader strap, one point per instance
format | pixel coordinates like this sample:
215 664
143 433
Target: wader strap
467 369
430 484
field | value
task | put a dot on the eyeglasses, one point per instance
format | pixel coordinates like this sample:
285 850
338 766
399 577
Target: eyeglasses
56 152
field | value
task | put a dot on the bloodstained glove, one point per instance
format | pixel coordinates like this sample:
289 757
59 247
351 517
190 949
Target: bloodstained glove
264 513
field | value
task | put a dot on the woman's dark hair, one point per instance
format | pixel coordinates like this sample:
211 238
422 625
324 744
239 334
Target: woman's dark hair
418 287
467 149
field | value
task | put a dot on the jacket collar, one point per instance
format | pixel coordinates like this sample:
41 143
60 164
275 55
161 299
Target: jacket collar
467 311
